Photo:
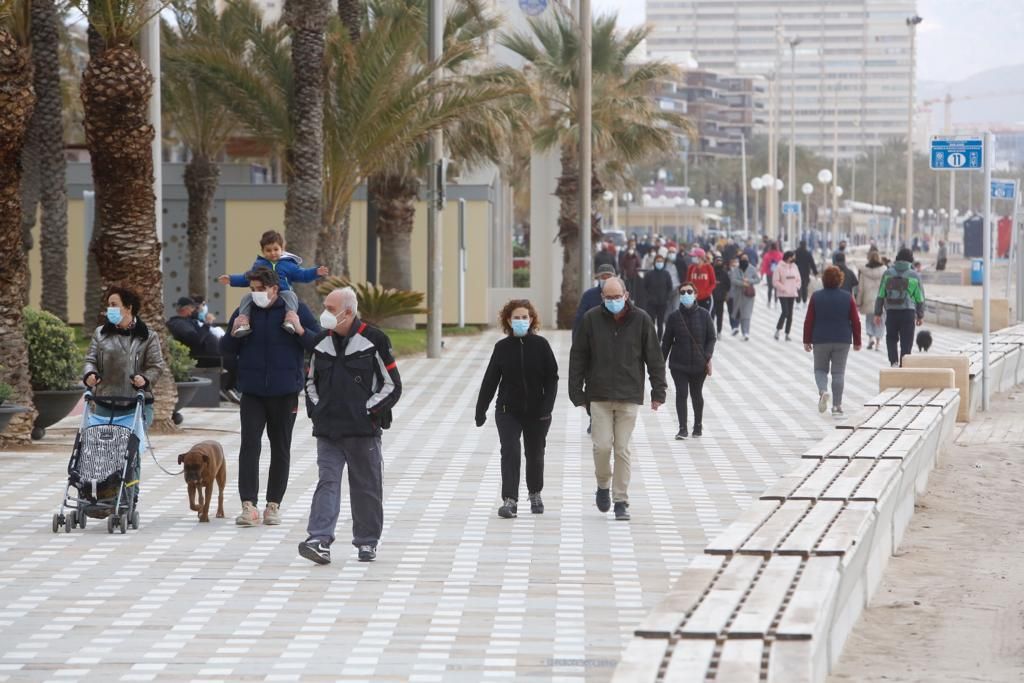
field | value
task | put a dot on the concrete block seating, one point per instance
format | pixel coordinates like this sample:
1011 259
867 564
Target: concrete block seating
961 367
999 313
775 596
1006 364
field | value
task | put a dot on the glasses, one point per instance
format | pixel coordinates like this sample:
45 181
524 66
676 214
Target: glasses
687 291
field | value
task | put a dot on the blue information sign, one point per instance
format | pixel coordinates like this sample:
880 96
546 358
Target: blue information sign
1004 189
956 154
791 208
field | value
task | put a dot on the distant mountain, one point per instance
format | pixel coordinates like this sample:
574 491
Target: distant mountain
998 97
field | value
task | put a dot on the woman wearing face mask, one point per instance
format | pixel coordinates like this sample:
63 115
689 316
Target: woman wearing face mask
743 277
721 293
124 357
786 283
702 275
688 345
658 288
524 373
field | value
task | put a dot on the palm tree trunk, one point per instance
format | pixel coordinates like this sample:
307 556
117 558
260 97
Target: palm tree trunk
569 235
30 182
303 205
47 130
332 243
16 102
351 14
116 88
396 194
201 176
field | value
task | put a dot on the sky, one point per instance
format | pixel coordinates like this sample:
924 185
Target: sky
957 39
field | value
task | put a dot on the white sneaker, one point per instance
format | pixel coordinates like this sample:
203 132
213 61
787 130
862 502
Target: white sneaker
272 515
823 402
776 335
250 515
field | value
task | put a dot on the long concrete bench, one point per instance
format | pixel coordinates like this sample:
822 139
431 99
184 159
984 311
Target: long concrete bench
774 597
1006 364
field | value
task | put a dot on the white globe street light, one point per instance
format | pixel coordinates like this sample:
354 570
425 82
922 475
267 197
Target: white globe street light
756 184
627 197
691 202
767 179
704 203
807 188
824 176
838 191
608 195
779 185
719 204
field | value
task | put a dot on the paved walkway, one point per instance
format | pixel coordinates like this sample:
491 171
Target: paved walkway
456 593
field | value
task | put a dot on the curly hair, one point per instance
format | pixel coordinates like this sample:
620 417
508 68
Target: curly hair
505 317
129 299
832 277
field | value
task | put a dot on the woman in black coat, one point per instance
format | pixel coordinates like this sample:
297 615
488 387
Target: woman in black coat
688 345
658 288
722 285
524 373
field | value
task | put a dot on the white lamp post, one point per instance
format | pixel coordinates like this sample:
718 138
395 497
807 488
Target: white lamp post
756 184
824 177
806 189
627 199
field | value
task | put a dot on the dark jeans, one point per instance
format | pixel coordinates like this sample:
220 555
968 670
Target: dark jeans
899 327
657 314
787 313
718 310
692 384
734 321
770 287
276 414
534 432
805 280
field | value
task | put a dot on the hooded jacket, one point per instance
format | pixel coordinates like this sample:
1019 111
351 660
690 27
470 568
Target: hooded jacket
786 280
805 262
115 355
870 282
288 268
524 372
914 299
768 263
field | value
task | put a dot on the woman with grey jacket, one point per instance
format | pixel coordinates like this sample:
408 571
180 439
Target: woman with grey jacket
744 277
124 356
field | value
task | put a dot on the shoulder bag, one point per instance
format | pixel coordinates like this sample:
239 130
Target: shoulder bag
699 347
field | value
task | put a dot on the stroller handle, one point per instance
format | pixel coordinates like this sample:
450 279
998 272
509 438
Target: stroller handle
139 397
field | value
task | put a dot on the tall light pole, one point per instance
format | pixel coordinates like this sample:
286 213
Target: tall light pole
743 170
586 93
824 177
435 255
755 184
835 168
912 23
807 189
791 219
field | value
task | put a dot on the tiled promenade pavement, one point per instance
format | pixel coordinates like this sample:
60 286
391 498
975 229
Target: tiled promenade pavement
456 593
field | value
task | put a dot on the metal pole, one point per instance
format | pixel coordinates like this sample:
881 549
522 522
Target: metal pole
791 219
462 262
149 48
435 255
986 275
371 237
743 155
585 143
912 23
1020 270
834 216
773 143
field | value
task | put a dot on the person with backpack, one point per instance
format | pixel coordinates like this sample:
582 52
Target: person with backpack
901 298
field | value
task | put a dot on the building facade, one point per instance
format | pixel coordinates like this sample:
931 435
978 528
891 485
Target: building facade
852 63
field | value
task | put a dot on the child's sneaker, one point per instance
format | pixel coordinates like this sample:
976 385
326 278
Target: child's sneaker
241 331
288 327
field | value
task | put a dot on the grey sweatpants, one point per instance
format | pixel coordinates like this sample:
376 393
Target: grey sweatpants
826 357
365 489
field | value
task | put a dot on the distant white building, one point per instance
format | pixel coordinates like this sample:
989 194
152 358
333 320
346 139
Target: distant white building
271 8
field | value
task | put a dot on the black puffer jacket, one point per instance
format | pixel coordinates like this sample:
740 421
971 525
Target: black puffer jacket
684 326
524 372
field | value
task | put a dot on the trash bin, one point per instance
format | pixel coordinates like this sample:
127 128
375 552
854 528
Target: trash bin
977 271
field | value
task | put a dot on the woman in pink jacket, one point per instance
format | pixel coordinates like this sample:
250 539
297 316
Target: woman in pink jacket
786 282
770 260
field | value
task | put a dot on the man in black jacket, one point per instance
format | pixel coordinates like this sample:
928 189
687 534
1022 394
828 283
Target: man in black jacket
606 374
805 264
352 386
186 328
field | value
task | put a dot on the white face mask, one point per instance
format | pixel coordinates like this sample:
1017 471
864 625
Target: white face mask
328 320
261 299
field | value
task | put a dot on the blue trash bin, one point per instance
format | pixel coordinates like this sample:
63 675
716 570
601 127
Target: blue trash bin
977 271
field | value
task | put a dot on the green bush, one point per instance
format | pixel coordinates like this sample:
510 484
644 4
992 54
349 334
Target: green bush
53 357
376 303
5 391
520 250
521 277
180 362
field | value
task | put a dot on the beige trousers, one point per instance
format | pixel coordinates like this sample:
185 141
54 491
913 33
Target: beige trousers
611 429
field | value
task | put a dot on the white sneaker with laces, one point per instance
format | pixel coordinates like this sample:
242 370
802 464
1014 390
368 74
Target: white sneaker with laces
250 515
272 514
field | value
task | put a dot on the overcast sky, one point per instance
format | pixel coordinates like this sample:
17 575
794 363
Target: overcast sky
958 37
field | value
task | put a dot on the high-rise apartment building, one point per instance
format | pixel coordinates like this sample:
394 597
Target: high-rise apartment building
271 8
853 60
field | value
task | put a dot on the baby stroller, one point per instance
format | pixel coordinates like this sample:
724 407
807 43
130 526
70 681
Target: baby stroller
103 471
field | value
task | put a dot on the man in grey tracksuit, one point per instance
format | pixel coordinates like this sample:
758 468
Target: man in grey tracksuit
353 383
606 374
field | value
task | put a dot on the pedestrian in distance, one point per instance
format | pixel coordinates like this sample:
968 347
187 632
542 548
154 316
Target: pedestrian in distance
606 373
605 255
940 256
629 266
786 282
771 260
832 324
850 281
702 275
288 268
351 388
870 282
805 264
901 299
592 297
270 377
721 293
743 277
688 345
658 289
524 373
670 265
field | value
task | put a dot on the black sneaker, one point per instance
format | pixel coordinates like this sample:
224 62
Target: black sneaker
367 553
315 551
682 434
536 504
622 512
697 431
509 509
603 498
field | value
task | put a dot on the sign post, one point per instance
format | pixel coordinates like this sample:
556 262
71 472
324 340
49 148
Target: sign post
986 275
953 153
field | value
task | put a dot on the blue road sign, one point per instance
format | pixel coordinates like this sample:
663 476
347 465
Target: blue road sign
956 154
791 208
1004 189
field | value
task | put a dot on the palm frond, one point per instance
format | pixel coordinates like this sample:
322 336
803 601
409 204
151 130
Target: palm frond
118 22
16 19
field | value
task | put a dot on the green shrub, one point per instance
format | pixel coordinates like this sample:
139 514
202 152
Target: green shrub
521 277
179 361
53 357
520 250
5 391
377 304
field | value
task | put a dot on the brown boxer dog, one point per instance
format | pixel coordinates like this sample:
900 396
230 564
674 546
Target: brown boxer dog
204 463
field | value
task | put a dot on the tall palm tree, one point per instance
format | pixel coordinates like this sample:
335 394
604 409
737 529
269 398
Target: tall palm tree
198 118
16 103
627 124
116 88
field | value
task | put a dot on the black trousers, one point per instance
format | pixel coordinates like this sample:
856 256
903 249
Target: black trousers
657 313
899 329
534 433
692 385
706 304
787 313
276 415
805 280
718 311
770 287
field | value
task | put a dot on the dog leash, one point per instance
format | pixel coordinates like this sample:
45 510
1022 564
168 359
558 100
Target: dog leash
152 454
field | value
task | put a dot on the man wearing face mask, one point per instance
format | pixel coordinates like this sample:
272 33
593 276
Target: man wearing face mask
606 373
270 368
187 328
352 386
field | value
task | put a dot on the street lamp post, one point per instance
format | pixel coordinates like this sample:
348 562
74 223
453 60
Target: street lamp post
807 189
791 219
586 148
837 192
627 199
768 182
912 23
824 177
756 184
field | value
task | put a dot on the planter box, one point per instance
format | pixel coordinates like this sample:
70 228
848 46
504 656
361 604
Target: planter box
187 390
8 411
53 406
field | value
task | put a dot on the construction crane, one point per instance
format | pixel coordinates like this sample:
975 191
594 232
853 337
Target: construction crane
949 99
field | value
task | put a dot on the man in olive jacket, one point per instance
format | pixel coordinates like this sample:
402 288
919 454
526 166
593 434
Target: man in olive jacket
606 374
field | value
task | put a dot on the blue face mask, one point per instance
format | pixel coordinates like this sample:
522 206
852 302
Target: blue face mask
203 312
114 315
615 306
520 327
688 300
658 265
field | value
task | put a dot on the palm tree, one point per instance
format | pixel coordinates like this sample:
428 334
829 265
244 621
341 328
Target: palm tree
198 117
116 88
627 124
16 103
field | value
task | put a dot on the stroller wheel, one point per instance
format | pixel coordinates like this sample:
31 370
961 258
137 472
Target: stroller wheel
122 522
81 520
110 524
135 520
177 418
69 522
56 522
